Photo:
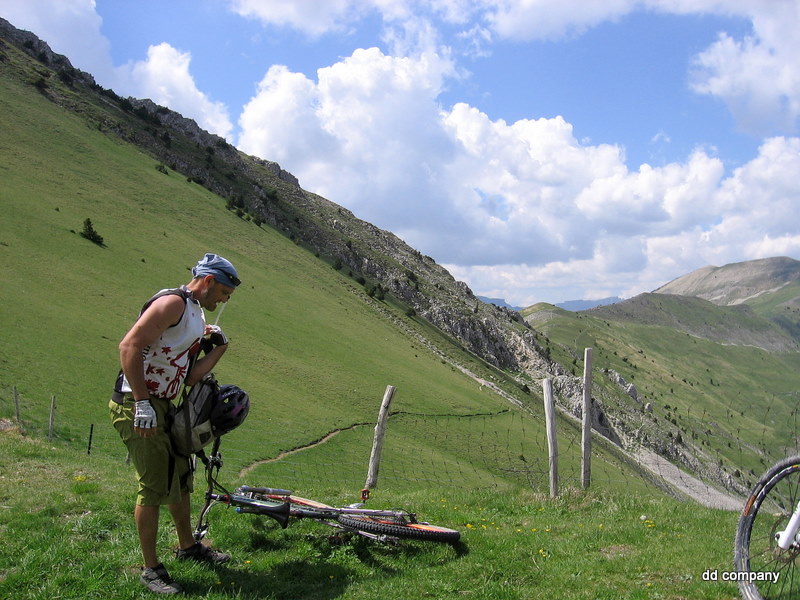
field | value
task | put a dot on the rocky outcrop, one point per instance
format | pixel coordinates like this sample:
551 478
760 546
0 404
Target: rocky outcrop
570 390
39 50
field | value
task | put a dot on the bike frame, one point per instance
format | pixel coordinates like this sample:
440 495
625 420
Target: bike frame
280 504
306 508
788 536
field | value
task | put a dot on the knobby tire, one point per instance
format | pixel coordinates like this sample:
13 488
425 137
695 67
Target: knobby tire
767 512
415 531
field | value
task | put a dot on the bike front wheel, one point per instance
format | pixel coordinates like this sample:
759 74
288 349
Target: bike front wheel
764 570
415 531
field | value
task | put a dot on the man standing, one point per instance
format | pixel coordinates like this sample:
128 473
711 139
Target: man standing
159 355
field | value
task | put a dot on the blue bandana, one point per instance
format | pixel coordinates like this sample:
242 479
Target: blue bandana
220 268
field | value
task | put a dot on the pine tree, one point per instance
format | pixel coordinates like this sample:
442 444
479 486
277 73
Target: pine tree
90 234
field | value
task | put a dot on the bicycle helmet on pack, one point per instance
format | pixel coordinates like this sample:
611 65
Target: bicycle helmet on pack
230 409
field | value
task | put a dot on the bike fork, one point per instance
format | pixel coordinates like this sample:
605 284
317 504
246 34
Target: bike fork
788 536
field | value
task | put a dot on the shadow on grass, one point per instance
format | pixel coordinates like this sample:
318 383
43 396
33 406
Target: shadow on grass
316 566
291 579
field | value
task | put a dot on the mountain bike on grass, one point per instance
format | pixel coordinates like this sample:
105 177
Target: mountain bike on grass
767 544
283 506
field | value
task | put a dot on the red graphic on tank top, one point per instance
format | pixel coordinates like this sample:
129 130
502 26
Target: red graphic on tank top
181 364
165 382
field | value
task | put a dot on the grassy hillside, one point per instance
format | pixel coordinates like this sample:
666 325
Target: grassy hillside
781 307
733 406
306 345
738 324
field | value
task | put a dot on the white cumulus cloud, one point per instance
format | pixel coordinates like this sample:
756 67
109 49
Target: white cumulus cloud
551 19
311 16
165 78
365 134
697 218
757 77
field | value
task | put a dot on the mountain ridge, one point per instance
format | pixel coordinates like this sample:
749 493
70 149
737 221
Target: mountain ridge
735 283
737 324
769 288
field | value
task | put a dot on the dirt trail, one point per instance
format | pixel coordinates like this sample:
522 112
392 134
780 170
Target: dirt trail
246 470
696 489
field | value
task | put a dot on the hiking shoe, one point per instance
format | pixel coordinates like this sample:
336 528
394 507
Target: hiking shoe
158 580
203 554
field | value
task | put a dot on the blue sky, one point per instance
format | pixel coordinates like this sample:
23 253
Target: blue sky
541 150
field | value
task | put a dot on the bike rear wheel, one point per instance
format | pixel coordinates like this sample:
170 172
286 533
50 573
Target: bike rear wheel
769 572
415 531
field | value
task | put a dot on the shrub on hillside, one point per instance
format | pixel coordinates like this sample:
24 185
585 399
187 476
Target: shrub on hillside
90 234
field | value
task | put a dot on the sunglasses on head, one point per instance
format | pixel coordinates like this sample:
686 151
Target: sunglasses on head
233 278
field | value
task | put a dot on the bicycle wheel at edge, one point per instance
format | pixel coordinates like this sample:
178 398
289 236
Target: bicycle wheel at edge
415 531
767 512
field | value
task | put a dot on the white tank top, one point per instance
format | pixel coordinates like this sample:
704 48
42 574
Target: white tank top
166 362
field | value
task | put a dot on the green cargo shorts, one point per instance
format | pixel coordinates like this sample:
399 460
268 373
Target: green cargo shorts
163 476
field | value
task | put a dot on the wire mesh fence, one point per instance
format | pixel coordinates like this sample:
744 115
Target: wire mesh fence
500 450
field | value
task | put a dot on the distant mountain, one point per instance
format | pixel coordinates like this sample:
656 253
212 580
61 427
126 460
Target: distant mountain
498 302
768 287
734 325
571 305
736 283
753 303
576 305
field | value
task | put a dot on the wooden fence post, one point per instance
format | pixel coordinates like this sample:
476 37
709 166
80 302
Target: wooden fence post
377 442
91 433
586 431
552 440
52 418
16 404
